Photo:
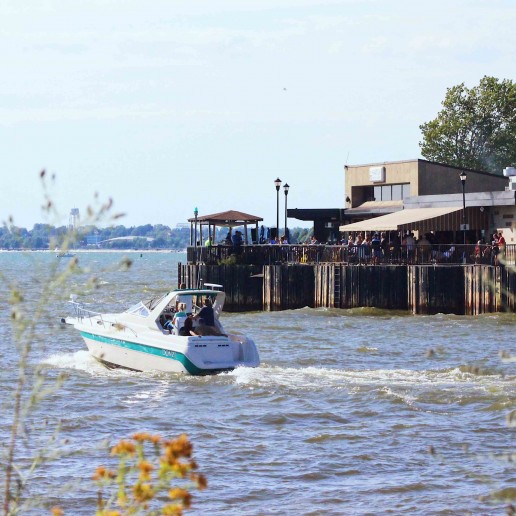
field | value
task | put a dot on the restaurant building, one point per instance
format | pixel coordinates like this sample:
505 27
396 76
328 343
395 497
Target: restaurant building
435 194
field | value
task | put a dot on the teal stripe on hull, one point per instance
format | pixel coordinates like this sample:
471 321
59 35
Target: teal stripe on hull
151 350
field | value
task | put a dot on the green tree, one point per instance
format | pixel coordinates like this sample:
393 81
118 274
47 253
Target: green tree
476 128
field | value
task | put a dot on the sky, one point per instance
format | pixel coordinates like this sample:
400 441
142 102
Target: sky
165 106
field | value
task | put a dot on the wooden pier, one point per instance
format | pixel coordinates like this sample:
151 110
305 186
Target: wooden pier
420 289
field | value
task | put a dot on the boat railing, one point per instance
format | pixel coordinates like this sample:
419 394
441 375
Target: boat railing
82 314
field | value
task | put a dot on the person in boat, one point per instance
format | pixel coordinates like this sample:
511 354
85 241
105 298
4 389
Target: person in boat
179 317
206 315
187 328
168 323
203 330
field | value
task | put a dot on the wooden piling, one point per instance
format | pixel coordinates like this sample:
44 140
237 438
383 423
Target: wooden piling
420 289
508 289
436 289
287 287
242 283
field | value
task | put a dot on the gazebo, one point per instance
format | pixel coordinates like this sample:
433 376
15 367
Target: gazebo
228 219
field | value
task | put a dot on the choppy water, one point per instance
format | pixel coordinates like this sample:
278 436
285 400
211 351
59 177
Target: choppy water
337 420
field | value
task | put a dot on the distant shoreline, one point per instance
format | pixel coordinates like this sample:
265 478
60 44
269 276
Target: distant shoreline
78 251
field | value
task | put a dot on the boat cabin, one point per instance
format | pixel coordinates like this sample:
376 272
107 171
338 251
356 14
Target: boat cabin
176 306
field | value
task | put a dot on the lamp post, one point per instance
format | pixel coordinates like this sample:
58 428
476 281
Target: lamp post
277 183
285 189
462 178
196 212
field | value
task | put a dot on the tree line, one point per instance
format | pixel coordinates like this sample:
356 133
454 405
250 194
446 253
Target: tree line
148 236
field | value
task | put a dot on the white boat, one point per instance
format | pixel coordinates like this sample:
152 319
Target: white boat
143 338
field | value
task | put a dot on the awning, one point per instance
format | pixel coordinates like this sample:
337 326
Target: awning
374 209
423 219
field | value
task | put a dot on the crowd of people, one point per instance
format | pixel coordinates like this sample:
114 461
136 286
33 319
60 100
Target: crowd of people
393 246
381 247
489 253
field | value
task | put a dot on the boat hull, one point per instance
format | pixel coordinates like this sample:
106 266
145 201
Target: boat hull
189 355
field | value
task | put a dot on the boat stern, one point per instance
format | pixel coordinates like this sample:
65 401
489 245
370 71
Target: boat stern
222 353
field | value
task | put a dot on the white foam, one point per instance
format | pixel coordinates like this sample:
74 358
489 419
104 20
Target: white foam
246 375
313 378
80 361
157 394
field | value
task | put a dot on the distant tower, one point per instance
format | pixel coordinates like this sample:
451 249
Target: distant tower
73 222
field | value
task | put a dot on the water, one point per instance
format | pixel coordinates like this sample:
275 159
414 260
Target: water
339 418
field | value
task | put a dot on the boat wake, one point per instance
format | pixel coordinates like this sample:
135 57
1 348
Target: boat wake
424 390
394 381
82 361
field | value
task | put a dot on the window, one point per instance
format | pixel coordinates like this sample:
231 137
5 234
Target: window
391 192
387 193
397 192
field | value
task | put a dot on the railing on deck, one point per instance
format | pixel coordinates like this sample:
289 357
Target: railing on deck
83 315
310 254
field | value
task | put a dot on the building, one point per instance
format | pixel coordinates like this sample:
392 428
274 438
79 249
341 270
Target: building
435 194
93 239
380 189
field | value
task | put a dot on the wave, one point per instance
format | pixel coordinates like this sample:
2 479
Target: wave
83 361
313 378
80 360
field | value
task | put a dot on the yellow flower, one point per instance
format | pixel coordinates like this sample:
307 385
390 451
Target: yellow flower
143 492
178 493
57 511
172 510
180 447
155 439
124 447
167 459
142 436
145 468
101 473
180 469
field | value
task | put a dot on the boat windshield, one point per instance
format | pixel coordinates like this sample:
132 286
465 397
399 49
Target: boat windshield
139 309
154 302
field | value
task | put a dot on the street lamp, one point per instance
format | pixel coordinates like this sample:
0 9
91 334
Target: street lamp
285 189
196 212
462 178
277 183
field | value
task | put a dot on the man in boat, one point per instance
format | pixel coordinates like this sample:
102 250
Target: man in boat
206 319
206 316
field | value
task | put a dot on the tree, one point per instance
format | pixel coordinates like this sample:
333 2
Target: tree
476 128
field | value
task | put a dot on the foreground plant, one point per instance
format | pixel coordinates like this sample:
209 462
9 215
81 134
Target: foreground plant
149 469
22 452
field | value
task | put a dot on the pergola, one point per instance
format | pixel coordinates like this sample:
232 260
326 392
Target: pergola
226 219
